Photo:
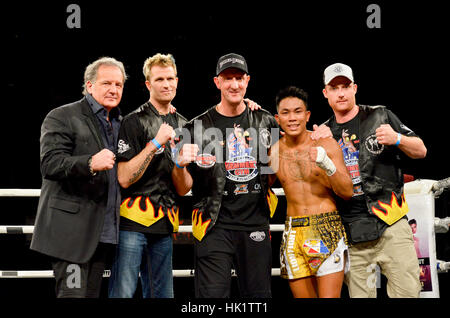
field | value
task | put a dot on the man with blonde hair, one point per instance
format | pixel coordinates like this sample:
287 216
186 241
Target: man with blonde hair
149 211
77 218
161 60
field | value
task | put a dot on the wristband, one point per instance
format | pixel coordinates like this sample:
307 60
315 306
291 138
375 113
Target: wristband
156 143
176 164
399 138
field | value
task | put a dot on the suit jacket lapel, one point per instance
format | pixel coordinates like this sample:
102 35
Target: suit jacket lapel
91 121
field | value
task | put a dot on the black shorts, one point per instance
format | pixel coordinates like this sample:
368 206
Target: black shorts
221 250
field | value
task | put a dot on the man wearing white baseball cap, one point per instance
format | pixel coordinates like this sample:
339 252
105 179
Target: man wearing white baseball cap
372 140
335 70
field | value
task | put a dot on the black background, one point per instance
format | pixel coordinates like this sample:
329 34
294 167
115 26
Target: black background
403 65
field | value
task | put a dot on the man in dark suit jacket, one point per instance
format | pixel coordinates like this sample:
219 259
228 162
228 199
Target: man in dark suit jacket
78 212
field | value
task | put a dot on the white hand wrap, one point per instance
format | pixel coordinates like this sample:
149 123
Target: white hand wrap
324 162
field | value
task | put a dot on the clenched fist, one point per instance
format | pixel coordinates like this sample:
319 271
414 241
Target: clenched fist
188 154
386 135
103 160
320 157
165 133
313 154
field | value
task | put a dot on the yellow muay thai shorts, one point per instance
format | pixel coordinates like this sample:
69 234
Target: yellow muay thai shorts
314 245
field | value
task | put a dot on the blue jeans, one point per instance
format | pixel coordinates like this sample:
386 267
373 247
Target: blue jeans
149 254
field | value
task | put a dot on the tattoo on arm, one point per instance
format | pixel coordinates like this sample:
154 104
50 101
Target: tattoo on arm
142 168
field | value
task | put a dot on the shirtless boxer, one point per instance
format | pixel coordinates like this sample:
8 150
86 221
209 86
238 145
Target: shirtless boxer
311 173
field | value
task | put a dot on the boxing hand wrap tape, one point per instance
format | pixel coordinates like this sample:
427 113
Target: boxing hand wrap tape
324 162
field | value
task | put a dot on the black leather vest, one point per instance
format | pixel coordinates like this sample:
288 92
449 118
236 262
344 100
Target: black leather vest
382 178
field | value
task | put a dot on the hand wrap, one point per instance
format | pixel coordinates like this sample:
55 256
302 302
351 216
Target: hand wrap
324 162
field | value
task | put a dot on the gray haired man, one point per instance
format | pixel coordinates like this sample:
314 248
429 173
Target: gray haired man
78 212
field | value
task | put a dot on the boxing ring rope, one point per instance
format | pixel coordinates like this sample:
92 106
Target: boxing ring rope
107 273
441 226
439 186
28 229
20 192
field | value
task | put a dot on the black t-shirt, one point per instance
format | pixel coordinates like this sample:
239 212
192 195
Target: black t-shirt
347 136
243 205
133 137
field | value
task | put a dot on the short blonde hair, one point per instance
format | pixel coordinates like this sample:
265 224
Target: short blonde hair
90 74
158 59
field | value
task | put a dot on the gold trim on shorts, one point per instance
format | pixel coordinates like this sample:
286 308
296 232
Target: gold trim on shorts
308 241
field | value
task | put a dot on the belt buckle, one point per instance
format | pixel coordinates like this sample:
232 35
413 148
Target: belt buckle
300 222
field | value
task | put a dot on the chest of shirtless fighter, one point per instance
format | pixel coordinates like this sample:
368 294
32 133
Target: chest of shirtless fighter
307 188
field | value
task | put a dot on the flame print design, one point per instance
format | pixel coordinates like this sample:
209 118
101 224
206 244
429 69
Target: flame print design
173 215
393 211
134 212
198 226
272 201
